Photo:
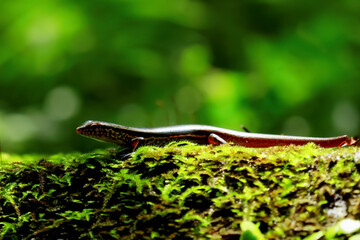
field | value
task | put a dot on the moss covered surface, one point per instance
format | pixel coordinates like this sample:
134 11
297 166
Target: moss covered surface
183 191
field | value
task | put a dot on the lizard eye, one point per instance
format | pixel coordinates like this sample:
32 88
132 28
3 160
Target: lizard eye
89 123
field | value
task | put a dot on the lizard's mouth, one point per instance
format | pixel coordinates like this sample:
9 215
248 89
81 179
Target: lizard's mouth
88 128
85 132
82 131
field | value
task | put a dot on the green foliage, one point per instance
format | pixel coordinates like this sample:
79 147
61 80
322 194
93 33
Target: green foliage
250 231
184 191
274 66
345 226
78 215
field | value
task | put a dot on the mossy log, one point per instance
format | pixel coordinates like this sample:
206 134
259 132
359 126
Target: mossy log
183 191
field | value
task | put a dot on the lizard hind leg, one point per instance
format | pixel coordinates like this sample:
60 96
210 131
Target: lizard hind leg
135 142
130 149
215 139
349 142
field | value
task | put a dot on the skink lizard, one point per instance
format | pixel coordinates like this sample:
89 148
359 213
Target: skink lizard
131 137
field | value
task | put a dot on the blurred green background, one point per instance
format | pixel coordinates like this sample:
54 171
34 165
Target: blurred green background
281 67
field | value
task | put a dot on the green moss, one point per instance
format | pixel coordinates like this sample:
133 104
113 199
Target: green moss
182 191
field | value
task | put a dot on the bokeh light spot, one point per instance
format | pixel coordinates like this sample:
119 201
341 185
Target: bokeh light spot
346 117
19 127
195 60
132 115
188 100
61 103
297 126
43 31
221 86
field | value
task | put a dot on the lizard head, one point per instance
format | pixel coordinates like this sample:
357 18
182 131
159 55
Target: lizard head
102 131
